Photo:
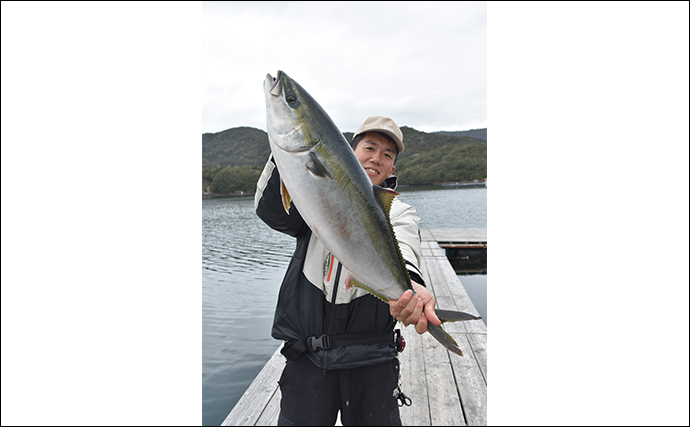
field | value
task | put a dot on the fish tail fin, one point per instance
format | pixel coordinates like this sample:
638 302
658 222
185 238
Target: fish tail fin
444 338
454 316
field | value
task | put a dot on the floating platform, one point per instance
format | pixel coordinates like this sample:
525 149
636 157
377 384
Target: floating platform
465 248
446 389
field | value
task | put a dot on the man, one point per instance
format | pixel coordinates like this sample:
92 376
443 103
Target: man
357 371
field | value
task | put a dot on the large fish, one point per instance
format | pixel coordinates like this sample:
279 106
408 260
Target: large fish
321 174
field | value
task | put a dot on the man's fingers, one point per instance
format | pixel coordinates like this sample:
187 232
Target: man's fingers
430 313
399 305
421 326
412 312
407 312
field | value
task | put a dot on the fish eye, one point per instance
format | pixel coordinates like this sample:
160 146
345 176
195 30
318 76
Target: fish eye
291 98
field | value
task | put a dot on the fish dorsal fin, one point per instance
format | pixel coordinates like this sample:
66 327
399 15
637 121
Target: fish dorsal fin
385 197
285 197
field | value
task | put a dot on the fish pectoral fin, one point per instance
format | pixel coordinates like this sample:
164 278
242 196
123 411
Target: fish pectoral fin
316 166
454 316
444 338
285 197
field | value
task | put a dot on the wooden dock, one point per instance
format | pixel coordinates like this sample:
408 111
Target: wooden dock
446 389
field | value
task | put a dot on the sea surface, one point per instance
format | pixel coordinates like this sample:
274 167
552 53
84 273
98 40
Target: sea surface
243 263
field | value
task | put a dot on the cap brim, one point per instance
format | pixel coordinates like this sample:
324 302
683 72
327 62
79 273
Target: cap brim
393 136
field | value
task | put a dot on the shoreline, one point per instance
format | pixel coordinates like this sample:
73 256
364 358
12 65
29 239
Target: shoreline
400 188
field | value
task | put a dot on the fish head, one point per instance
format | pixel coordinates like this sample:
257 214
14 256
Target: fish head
295 122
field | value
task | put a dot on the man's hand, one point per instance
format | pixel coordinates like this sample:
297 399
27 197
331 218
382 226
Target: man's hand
417 311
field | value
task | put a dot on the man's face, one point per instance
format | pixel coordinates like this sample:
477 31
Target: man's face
376 154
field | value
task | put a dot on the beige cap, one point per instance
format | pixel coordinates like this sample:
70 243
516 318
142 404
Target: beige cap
383 125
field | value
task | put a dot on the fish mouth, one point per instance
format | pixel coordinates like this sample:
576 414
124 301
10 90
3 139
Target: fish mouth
273 90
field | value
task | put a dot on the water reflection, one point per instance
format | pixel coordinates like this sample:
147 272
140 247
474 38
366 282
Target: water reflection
448 208
475 285
243 262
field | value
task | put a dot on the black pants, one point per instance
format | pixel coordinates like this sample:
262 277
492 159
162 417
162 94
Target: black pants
311 397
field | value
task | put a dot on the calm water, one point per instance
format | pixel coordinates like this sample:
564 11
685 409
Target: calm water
475 285
243 263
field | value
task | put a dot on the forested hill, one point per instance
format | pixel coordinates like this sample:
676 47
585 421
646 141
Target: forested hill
235 147
232 159
472 133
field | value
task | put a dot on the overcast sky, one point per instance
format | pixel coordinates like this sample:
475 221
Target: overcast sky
421 63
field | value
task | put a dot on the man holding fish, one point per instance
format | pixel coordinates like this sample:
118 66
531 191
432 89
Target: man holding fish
312 392
355 269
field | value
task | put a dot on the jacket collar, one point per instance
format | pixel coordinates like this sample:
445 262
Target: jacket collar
390 182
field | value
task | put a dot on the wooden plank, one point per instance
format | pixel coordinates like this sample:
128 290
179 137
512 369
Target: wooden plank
430 233
457 234
414 376
462 300
252 403
436 250
470 371
451 295
426 249
414 385
269 417
426 234
469 376
470 382
477 340
425 275
406 376
444 299
478 343
444 403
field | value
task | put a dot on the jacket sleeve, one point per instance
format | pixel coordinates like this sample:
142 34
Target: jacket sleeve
268 204
405 222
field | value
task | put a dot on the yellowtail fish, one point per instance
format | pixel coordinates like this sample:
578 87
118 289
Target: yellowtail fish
322 176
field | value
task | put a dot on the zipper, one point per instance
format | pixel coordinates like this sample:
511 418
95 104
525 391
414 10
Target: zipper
329 319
